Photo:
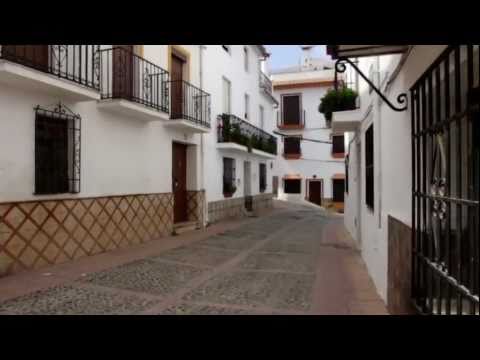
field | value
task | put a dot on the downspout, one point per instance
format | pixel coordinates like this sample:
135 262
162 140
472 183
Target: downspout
202 150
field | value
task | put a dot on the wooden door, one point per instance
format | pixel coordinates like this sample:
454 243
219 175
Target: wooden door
338 190
123 72
177 86
179 182
315 192
35 56
291 110
275 185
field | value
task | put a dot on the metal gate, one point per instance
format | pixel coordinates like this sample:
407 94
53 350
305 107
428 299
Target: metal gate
445 202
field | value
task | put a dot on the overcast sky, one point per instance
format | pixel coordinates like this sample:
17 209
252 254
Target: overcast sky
289 55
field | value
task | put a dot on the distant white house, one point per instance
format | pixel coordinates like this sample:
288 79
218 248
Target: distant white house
307 170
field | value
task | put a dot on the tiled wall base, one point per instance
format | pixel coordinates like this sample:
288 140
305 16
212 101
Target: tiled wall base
37 233
399 268
195 206
231 208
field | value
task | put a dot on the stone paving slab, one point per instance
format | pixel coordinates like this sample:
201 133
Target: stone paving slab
70 300
196 309
296 263
147 276
272 290
197 256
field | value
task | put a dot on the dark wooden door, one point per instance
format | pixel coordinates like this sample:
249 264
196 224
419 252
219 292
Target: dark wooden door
291 110
123 72
177 86
338 190
179 182
315 192
275 185
35 56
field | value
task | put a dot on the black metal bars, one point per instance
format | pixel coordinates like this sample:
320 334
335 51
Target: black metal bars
445 195
125 75
77 63
190 103
233 129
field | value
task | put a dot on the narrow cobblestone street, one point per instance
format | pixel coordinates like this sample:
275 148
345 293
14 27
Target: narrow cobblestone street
292 260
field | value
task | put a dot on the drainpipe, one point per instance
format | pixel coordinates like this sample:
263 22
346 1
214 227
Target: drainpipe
202 152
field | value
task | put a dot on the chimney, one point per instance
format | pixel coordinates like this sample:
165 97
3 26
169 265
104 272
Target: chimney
307 55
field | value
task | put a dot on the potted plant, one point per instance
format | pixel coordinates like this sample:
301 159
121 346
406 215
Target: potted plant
342 99
229 188
226 128
236 134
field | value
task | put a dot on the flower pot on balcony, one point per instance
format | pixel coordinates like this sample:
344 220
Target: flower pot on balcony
343 99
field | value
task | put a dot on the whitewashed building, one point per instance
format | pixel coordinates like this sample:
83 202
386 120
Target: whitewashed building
412 200
310 165
240 150
103 147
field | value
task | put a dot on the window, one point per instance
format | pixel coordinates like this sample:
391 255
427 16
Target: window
245 58
57 152
369 170
291 146
262 117
263 178
247 106
227 95
338 190
229 178
338 144
226 48
293 186
291 114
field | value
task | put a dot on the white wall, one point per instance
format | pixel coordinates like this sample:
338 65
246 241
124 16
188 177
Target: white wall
119 154
392 161
231 66
316 158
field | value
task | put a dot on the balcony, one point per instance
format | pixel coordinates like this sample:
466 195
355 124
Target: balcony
190 108
291 148
289 122
131 85
235 134
67 71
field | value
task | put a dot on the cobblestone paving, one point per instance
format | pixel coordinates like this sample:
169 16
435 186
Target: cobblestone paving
268 266
69 300
147 276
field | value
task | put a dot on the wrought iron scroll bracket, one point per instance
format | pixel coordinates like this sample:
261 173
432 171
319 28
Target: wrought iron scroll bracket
340 68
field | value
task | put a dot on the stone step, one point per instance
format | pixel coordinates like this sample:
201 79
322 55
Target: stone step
184 227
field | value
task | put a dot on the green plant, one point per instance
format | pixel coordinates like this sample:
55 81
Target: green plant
236 134
337 100
229 187
226 128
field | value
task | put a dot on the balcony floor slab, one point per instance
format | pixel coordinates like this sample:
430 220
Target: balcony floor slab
186 125
23 77
132 109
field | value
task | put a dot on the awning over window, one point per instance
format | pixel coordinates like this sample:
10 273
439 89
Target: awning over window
292 177
338 177
337 51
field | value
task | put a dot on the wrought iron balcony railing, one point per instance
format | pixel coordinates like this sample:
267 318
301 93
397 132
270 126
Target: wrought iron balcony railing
233 129
266 83
125 75
291 123
76 63
190 103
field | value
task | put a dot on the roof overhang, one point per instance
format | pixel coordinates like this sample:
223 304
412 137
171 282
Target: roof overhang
355 51
263 51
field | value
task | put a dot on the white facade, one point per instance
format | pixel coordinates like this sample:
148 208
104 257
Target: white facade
120 154
230 67
393 74
317 161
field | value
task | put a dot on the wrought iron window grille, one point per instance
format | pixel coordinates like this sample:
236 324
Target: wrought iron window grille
57 150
